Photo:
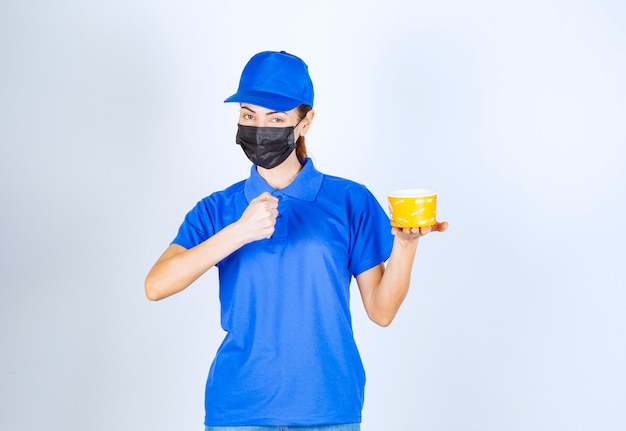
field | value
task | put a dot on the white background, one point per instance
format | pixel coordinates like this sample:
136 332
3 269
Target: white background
112 126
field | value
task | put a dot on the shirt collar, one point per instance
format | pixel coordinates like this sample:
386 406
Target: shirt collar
305 186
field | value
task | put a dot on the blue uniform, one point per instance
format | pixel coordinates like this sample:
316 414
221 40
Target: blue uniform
289 355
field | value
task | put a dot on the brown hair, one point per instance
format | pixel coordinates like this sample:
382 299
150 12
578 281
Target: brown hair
300 145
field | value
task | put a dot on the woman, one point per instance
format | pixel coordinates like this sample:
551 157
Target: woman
287 242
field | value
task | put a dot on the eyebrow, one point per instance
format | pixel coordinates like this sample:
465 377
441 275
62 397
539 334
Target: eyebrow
269 113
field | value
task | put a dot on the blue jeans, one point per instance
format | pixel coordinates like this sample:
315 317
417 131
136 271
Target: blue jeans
340 427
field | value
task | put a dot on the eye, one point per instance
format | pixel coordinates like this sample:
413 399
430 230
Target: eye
247 116
277 120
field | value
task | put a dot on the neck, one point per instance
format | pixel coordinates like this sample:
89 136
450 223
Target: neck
282 175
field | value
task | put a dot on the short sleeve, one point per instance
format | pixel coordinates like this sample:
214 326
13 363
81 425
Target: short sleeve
197 227
370 233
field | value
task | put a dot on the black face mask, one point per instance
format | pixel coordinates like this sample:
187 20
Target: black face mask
267 147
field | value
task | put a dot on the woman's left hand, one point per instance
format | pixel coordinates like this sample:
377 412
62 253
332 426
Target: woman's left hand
409 233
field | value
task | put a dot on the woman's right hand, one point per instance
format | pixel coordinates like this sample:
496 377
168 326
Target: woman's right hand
259 219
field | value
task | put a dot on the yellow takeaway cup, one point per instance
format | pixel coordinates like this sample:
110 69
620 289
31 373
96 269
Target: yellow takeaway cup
413 207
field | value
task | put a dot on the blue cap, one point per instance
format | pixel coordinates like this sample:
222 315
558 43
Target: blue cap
275 80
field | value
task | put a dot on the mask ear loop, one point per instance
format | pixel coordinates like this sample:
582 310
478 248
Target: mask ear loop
294 129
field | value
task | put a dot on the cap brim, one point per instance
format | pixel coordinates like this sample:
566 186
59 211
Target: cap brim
271 101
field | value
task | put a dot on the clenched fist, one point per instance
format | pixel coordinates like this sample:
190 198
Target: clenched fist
259 219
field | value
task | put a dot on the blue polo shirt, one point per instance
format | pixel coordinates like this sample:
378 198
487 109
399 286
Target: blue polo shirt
289 355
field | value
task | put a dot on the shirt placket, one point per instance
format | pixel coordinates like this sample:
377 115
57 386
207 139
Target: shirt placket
281 227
